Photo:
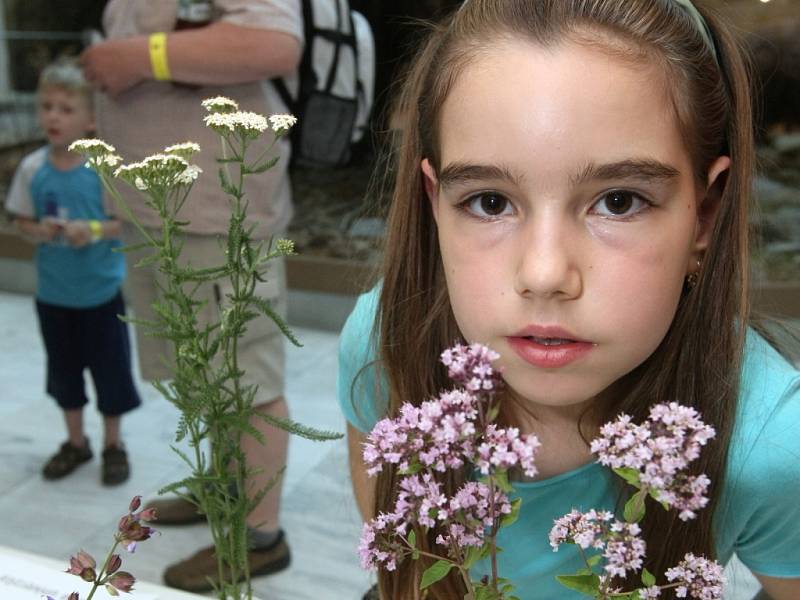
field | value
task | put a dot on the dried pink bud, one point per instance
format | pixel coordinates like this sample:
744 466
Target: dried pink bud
74 596
148 514
80 562
113 564
135 504
123 581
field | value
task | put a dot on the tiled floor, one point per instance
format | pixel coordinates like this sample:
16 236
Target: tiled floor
55 519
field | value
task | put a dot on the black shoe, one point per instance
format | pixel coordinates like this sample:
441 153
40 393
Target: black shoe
66 460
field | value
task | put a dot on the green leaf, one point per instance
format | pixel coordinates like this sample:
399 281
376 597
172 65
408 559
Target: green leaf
634 508
501 479
512 517
648 578
265 308
592 561
435 572
583 584
474 554
295 428
412 539
263 167
493 412
629 475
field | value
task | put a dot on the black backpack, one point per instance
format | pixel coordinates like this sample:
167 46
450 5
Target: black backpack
336 84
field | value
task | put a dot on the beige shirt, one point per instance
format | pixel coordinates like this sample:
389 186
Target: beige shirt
153 115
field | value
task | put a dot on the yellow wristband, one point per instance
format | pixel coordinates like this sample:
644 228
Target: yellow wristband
96 228
158 56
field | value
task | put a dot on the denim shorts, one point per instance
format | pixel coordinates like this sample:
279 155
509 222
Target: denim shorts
94 338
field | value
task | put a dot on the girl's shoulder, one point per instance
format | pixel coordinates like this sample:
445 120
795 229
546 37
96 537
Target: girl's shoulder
765 438
758 514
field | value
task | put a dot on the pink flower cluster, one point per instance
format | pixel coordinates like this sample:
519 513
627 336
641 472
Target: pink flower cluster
506 448
660 450
471 367
622 547
697 577
444 433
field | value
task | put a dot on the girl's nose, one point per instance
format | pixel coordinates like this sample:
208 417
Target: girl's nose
548 264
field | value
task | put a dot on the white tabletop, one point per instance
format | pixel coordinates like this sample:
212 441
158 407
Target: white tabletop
25 576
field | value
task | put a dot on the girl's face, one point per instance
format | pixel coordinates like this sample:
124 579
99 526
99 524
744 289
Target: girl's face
567 213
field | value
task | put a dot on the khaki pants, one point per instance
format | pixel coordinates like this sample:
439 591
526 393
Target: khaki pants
261 349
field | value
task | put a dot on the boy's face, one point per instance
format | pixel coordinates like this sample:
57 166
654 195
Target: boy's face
64 115
567 215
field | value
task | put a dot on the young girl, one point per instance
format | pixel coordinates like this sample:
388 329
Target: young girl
573 187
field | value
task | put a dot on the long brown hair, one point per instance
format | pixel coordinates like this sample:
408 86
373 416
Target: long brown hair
698 362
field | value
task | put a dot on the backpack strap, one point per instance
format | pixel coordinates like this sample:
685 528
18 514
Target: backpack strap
305 61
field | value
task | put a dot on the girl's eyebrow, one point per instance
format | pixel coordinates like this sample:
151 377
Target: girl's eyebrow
642 168
458 172
633 168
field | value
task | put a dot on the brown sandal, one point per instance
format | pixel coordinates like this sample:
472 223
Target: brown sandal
66 460
115 466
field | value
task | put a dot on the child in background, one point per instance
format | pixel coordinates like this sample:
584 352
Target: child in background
572 190
57 202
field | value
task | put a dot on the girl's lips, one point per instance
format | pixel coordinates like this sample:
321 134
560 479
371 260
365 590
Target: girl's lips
558 351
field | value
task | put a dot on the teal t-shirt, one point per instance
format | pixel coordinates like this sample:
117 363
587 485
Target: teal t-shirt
758 516
71 277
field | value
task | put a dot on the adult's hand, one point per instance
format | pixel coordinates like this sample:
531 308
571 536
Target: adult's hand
115 66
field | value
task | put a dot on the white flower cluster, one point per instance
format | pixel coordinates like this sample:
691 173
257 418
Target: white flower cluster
92 147
242 122
158 171
220 104
281 123
184 149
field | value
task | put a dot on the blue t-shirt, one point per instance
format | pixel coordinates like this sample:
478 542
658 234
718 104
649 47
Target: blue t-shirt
758 515
66 276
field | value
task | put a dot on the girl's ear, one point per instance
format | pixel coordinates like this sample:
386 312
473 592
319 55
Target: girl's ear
431 184
708 206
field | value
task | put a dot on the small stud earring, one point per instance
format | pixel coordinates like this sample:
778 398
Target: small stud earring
691 278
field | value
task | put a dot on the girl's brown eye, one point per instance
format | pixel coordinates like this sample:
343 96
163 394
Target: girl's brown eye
618 202
493 204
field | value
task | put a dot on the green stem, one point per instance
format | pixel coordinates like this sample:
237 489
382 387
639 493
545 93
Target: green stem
99 576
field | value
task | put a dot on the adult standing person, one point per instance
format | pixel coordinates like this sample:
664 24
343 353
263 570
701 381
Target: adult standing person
152 77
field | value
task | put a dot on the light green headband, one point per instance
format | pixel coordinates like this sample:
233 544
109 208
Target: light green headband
691 9
701 24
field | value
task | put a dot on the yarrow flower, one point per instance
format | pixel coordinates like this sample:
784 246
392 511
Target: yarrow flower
697 577
184 150
189 174
220 104
660 451
281 123
92 147
249 124
157 171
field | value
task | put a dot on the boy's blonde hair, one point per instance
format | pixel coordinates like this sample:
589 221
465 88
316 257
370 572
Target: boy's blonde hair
66 73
